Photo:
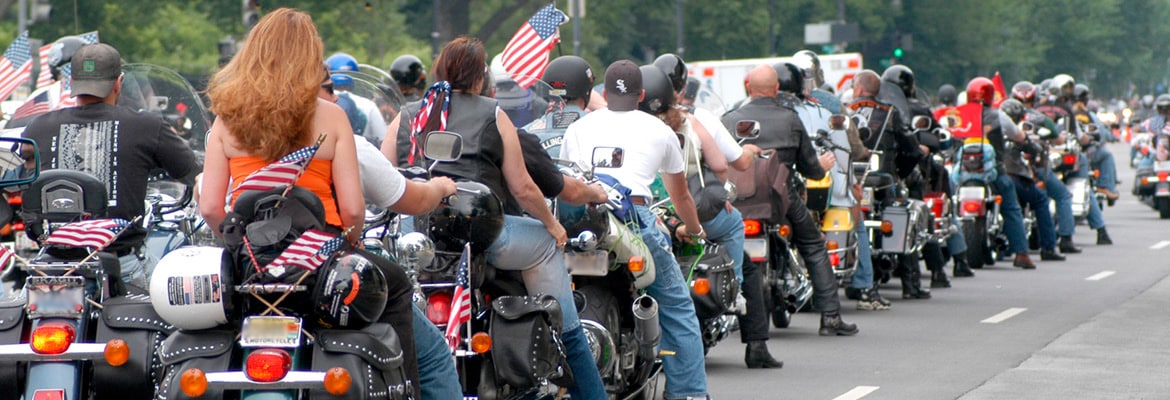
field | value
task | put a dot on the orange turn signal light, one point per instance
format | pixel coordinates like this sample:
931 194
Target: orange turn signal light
887 227
337 381
481 342
702 286
831 245
998 199
193 382
117 352
636 264
784 230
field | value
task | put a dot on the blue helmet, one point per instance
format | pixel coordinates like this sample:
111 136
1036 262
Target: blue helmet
341 81
341 62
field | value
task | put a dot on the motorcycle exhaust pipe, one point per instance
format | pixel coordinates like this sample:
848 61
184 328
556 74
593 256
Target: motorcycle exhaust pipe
647 333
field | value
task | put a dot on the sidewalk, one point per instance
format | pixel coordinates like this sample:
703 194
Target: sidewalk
1123 353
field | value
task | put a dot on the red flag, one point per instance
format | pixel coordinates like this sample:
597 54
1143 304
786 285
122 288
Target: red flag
461 300
15 66
526 55
967 120
309 251
1000 92
96 233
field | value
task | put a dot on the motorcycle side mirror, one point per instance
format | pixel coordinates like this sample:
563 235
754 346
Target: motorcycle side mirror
948 122
20 163
945 135
443 146
920 122
608 157
837 122
747 129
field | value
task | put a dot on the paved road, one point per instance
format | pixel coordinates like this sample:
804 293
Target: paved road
1092 327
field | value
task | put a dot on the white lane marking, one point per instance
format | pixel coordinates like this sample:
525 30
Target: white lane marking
857 393
1003 316
1160 245
1100 275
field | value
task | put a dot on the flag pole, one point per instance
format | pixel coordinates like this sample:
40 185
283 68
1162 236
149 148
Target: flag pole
107 244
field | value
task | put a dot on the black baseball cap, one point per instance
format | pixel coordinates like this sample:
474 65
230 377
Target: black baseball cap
623 85
95 68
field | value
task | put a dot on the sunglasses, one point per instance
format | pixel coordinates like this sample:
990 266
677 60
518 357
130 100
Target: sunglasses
328 87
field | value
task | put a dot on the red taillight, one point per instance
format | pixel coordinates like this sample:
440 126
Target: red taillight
52 338
15 200
935 200
1162 176
752 227
973 207
1070 159
49 394
835 259
18 226
268 365
439 308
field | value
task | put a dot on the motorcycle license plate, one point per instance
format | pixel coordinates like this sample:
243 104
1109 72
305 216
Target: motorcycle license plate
55 296
271 331
970 192
587 263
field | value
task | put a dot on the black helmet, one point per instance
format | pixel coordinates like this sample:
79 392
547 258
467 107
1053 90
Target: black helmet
1013 108
1024 91
902 76
1081 93
475 214
791 78
675 69
659 92
570 77
1162 102
409 71
61 53
351 292
948 95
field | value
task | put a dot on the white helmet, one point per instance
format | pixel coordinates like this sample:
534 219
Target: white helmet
189 287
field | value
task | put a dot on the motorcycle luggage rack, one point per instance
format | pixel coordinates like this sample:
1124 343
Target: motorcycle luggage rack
270 288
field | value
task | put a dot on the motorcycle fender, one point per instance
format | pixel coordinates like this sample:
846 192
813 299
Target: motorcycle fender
897 241
625 243
12 328
1162 190
132 319
208 350
375 346
837 219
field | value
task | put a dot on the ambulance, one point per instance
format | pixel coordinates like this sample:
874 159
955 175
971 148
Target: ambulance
726 77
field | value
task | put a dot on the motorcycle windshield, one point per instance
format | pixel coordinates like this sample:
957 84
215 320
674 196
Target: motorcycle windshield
537 111
707 99
378 88
163 92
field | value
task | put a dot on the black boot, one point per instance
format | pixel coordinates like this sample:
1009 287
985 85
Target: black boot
833 325
1050 255
1103 237
1067 247
962 270
938 279
757 356
912 280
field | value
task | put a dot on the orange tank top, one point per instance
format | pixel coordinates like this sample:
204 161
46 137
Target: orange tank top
318 178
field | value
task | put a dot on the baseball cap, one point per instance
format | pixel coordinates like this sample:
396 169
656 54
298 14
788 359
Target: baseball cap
623 85
95 68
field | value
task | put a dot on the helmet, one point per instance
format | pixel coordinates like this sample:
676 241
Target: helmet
1013 108
351 292
947 94
1148 101
1064 85
808 61
341 81
475 215
1162 102
570 77
791 78
62 51
981 90
1081 93
902 76
341 62
1024 91
659 92
409 71
674 68
693 86
191 286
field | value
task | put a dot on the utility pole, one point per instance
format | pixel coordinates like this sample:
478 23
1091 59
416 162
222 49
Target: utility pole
435 29
575 9
678 9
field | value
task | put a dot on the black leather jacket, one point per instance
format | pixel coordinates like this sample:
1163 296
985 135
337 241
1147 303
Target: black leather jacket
780 130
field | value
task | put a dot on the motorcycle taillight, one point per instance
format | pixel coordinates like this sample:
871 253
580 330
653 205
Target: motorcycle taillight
935 201
49 394
1070 159
268 365
973 207
52 338
439 308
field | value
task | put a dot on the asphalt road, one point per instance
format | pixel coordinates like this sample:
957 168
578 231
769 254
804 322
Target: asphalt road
1092 327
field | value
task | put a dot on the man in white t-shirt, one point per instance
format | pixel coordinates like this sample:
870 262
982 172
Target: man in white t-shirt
650 147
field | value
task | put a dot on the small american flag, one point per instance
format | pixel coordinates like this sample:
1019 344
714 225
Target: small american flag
309 251
461 300
283 172
96 233
45 78
35 106
66 100
6 256
526 55
15 66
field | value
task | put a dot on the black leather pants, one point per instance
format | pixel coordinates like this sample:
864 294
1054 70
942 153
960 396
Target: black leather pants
806 235
753 326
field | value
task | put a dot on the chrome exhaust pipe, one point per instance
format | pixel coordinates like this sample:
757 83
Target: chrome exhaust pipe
647 333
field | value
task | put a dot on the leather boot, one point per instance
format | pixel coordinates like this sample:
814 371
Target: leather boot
1067 247
912 284
757 356
1023 261
1050 255
1103 237
833 325
938 279
962 270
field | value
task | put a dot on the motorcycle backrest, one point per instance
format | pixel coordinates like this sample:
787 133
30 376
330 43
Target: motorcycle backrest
60 195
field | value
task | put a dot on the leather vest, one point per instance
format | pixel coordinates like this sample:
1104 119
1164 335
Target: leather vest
780 127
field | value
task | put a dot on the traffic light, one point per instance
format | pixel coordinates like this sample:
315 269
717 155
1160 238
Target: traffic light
898 52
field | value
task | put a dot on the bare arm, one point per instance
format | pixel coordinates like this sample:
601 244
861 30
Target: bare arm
346 183
684 204
422 197
214 184
577 192
520 183
711 154
390 143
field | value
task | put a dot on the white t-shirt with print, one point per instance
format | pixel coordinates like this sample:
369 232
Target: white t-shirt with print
649 146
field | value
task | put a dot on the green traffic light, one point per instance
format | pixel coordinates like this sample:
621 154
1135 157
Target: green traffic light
898 52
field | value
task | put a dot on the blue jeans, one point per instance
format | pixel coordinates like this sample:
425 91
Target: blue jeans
436 370
686 374
136 271
1102 160
524 245
1045 229
957 243
726 228
863 277
1058 192
1095 219
1013 217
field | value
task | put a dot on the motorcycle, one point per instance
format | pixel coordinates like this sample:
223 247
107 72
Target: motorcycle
837 221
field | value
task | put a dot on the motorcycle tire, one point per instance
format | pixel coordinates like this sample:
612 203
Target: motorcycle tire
775 300
1163 204
975 232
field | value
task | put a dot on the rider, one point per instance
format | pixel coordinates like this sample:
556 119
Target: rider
494 158
781 130
1100 158
410 74
655 147
1021 154
814 80
375 129
116 145
947 95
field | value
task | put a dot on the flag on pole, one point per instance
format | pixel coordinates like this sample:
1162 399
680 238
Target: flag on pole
1000 91
35 106
66 99
526 55
45 78
283 172
460 300
6 256
966 121
15 66
309 251
95 233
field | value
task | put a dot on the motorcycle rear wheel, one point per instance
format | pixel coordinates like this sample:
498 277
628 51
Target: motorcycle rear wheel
978 252
1163 204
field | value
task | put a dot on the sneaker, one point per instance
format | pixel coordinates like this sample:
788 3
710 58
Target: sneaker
872 301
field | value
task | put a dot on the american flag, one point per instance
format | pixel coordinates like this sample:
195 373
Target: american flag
96 233
283 172
15 66
461 300
67 99
6 256
526 55
309 251
35 106
45 78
